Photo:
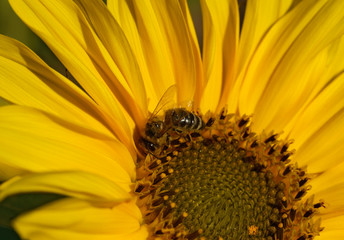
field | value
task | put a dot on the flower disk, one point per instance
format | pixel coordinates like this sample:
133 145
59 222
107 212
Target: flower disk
225 182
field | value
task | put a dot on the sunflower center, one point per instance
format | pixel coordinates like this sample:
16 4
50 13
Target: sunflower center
221 193
222 181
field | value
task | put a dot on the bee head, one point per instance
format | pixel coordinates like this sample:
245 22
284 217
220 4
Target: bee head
148 146
154 128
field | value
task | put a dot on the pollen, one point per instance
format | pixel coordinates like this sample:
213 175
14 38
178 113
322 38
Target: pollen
225 182
252 230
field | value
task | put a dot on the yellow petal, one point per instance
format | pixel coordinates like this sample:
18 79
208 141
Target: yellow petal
333 201
114 40
174 27
65 29
325 105
149 56
329 187
27 80
259 17
277 70
75 219
328 179
221 33
327 95
167 46
124 15
38 142
76 184
7 171
2 100
333 229
196 54
324 149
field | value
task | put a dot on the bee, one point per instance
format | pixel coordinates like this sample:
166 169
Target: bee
182 119
158 130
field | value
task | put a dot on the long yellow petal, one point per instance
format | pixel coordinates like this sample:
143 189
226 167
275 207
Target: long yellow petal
277 68
75 219
114 40
38 142
65 29
328 186
333 201
325 180
221 33
7 171
175 29
324 149
333 229
196 54
76 184
167 46
153 36
27 80
328 70
124 15
293 83
259 17
329 99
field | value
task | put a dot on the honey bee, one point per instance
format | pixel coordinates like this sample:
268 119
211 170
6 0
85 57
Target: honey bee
182 119
158 130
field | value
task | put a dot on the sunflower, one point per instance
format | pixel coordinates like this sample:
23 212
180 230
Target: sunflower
258 154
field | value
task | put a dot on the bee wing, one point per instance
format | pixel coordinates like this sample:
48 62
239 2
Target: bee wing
167 101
